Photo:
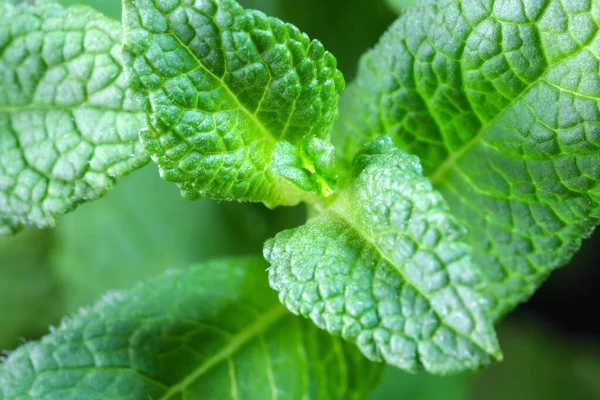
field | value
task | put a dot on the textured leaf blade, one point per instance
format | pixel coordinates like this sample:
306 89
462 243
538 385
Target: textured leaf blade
67 129
212 331
221 87
336 29
499 99
385 267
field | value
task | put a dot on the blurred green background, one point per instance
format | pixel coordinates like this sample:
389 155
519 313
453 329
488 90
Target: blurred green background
143 227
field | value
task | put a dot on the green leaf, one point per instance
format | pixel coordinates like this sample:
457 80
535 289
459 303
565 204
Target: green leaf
67 130
143 227
385 267
225 91
212 331
499 99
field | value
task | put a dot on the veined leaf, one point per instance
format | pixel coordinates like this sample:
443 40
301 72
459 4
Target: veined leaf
385 267
67 129
212 331
499 99
239 105
347 28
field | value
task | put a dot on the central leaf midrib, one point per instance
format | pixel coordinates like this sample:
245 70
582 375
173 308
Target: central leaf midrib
353 226
263 323
268 135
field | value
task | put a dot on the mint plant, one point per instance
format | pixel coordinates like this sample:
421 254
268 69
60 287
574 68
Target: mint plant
465 170
500 105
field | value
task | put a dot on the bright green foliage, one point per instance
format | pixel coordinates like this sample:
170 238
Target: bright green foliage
385 267
67 129
212 331
238 104
143 227
499 99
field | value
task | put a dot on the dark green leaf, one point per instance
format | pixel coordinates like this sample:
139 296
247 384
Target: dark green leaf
212 331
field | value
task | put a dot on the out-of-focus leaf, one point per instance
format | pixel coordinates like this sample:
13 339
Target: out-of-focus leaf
144 226
401 5
540 364
112 8
396 384
29 297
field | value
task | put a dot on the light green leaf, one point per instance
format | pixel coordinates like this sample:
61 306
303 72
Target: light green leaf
499 99
385 267
67 130
212 331
222 87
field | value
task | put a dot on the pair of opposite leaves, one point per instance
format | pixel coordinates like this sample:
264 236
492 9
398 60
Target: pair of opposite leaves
498 98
